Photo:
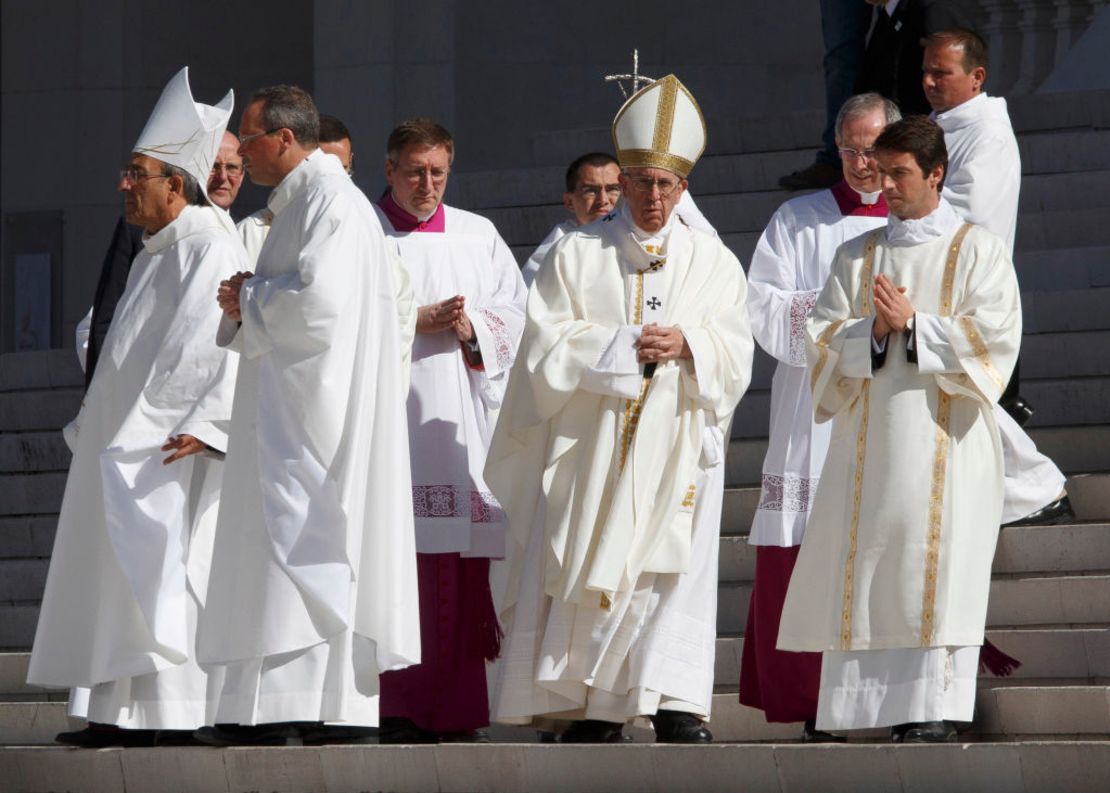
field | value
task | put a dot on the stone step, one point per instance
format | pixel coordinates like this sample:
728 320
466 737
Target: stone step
20 371
1052 600
1067 228
31 494
27 536
1031 766
1071 548
17 625
1078 654
1089 493
1063 269
1065 355
26 411
32 452
1067 310
1082 401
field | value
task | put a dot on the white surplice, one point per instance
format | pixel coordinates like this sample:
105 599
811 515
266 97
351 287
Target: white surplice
313 586
129 568
253 230
789 267
612 483
897 553
451 405
982 184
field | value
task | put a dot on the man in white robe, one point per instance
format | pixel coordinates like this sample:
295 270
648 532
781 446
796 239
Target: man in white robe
592 192
608 455
789 267
128 572
983 182
470 317
909 346
312 591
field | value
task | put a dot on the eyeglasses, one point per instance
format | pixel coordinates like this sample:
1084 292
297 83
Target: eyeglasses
231 169
134 176
644 184
594 192
249 139
854 154
418 175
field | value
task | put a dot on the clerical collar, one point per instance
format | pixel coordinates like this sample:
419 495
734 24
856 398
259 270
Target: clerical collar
189 221
955 113
853 202
940 222
405 221
653 243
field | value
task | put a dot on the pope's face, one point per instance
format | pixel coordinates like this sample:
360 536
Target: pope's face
227 173
261 151
651 195
597 193
909 193
858 134
418 178
947 84
145 193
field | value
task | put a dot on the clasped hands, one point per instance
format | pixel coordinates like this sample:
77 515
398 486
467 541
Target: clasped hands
892 309
228 295
659 343
449 314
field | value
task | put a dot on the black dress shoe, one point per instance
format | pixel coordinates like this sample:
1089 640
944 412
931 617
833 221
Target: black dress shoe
328 734
398 730
676 726
274 734
816 176
1020 410
1059 511
98 736
469 736
176 738
593 731
924 732
810 734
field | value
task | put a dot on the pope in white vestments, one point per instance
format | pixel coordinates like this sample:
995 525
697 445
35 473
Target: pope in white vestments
313 588
129 568
789 268
608 455
909 346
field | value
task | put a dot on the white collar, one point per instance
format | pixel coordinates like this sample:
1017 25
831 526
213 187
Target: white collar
940 222
318 162
189 221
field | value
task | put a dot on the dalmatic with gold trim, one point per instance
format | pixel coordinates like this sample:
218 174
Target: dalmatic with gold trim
900 541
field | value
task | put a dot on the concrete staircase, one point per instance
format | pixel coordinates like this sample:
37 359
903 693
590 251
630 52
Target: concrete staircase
1045 728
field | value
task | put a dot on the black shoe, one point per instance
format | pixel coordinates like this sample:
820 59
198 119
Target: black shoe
176 738
546 736
467 736
326 734
924 732
814 177
1020 410
593 731
275 734
396 729
810 734
1057 512
676 726
97 736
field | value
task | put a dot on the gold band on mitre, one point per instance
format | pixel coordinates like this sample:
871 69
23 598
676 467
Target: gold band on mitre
660 126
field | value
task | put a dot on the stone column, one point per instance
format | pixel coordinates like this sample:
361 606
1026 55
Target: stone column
1004 44
1038 44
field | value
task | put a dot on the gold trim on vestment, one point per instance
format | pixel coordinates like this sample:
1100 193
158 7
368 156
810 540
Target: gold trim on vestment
940 459
642 158
980 351
664 115
865 273
632 406
853 533
688 499
823 351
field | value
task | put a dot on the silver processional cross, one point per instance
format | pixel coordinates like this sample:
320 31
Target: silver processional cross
636 78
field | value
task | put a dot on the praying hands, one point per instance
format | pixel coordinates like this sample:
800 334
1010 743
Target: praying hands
892 309
447 314
228 295
659 343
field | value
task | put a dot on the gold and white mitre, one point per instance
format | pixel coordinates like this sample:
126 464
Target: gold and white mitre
660 126
185 133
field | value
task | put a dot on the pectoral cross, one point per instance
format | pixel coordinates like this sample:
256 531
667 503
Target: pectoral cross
654 304
636 78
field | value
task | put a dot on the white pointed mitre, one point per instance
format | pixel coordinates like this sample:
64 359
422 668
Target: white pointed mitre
660 126
185 133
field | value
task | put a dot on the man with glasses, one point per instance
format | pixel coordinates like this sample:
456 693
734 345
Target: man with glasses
471 314
312 590
127 575
789 267
608 455
227 173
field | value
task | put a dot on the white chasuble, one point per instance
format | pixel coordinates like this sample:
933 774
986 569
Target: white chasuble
612 481
789 267
313 584
128 572
898 550
452 404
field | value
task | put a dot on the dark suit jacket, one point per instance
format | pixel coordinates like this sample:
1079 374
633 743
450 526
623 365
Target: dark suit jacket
127 241
892 62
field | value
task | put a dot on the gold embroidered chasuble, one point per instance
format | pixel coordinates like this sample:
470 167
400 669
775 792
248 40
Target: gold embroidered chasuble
899 546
